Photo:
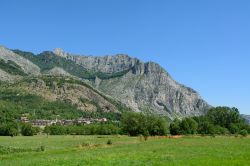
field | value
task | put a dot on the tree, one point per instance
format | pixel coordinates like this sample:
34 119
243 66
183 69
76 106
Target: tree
206 128
56 130
188 126
9 129
156 125
131 123
27 129
234 128
175 127
224 116
139 124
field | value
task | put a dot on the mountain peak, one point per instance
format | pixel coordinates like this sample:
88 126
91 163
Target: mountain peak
60 52
138 85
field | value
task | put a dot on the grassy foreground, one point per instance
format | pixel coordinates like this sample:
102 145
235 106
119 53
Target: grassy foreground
93 150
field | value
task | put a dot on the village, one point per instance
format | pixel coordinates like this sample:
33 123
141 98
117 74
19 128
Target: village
64 122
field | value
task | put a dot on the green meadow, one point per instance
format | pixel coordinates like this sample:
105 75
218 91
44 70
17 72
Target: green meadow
123 150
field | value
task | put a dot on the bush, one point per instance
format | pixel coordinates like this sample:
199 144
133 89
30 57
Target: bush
40 149
220 130
175 127
109 142
234 128
27 130
188 126
206 128
55 130
243 133
9 129
92 129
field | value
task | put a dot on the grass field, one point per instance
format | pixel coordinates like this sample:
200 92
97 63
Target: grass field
93 150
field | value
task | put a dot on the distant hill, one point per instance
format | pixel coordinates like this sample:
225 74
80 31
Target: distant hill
104 84
247 118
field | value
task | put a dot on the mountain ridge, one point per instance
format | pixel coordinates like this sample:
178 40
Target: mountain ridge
141 86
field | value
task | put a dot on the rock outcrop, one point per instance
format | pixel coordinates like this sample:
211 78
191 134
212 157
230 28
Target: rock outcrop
57 71
4 76
105 64
146 87
27 66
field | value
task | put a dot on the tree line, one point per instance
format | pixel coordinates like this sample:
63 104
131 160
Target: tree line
217 121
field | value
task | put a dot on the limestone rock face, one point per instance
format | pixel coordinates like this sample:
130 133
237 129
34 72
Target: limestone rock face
148 87
27 66
4 76
105 64
57 71
246 118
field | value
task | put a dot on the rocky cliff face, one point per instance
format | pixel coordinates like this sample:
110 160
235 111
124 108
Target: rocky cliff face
27 66
246 118
105 64
140 86
146 87
4 76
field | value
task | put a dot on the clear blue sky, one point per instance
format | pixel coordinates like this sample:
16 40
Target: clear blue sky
204 44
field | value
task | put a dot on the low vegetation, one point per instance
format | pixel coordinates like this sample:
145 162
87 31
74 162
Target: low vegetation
92 129
124 151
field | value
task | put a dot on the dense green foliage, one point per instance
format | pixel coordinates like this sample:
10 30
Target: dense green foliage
9 129
11 68
219 120
139 124
28 130
132 123
48 60
14 103
92 129
186 126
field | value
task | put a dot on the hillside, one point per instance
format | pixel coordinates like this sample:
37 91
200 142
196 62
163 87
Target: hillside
247 118
93 84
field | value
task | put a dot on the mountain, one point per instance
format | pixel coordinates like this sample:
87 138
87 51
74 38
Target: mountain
106 80
247 118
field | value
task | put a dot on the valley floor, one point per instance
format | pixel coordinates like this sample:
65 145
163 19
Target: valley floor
93 150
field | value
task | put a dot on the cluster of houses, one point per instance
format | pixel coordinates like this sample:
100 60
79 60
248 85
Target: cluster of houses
65 122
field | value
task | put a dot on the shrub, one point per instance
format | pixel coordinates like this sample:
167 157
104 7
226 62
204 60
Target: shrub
175 127
42 148
27 130
206 128
243 133
109 142
234 128
221 130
